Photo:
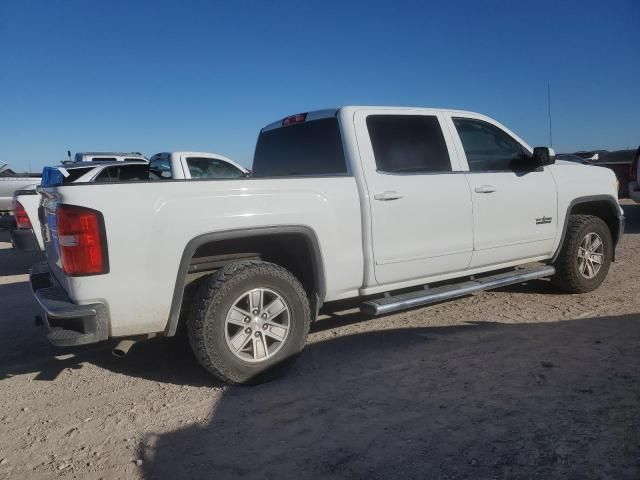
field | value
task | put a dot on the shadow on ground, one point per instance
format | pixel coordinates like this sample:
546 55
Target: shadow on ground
552 400
632 216
487 400
14 262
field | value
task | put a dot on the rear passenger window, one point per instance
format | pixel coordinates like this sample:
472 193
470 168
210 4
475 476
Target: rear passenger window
104 159
408 144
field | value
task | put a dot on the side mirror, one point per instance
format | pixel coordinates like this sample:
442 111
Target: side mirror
543 156
165 174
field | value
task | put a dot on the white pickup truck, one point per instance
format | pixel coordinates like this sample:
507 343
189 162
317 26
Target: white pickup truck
193 166
393 207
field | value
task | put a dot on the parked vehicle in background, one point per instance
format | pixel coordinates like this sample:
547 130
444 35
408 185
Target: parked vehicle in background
194 165
11 181
372 204
27 236
121 171
618 161
570 157
634 177
107 157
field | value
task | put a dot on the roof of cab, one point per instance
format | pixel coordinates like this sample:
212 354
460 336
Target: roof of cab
331 112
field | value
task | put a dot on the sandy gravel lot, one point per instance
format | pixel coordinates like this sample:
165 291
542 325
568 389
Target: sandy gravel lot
520 383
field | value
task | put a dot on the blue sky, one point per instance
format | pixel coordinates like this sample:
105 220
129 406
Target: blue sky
203 75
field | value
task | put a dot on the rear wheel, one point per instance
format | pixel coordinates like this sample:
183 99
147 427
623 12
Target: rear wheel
249 321
586 254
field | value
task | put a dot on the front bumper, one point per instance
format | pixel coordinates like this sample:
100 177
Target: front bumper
621 225
24 239
69 324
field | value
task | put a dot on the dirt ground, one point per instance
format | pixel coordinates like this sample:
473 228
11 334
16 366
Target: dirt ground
519 383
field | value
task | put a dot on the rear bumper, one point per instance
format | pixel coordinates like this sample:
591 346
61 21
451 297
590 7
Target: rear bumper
68 324
24 239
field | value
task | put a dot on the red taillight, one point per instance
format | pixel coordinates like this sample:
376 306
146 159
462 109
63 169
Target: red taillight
298 118
633 174
22 219
83 249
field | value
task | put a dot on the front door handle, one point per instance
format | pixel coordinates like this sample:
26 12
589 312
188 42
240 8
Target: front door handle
485 189
388 195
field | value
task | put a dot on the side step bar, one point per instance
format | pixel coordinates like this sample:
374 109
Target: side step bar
425 297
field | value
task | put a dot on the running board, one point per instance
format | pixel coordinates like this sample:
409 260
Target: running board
432 295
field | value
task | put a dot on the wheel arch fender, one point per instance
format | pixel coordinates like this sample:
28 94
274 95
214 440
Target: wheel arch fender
594 205
302 231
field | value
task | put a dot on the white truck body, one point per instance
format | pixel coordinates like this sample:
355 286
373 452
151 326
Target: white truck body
372 231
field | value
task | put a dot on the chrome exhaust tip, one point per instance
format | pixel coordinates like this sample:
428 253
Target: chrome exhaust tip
123 347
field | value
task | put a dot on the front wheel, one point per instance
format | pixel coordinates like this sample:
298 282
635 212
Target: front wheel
585 256
249 321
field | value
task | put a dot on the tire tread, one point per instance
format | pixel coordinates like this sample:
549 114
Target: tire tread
567 276
208 298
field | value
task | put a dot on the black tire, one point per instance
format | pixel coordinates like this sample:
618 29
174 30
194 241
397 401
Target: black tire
214 299
568 276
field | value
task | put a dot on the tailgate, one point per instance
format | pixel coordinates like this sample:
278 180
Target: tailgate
47 217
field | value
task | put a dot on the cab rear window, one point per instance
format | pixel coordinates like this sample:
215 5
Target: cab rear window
309 148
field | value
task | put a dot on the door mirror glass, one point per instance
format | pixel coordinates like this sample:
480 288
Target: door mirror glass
543 156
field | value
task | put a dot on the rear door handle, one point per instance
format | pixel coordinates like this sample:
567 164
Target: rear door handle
485 189
388 195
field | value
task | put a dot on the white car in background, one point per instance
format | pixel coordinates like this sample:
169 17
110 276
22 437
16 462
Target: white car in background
106 157
194 165
10 182
27 236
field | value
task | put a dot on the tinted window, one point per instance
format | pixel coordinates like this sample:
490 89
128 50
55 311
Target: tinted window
202 167
408 144
487 147
76 173
103 159
161 167
124 173
308 148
